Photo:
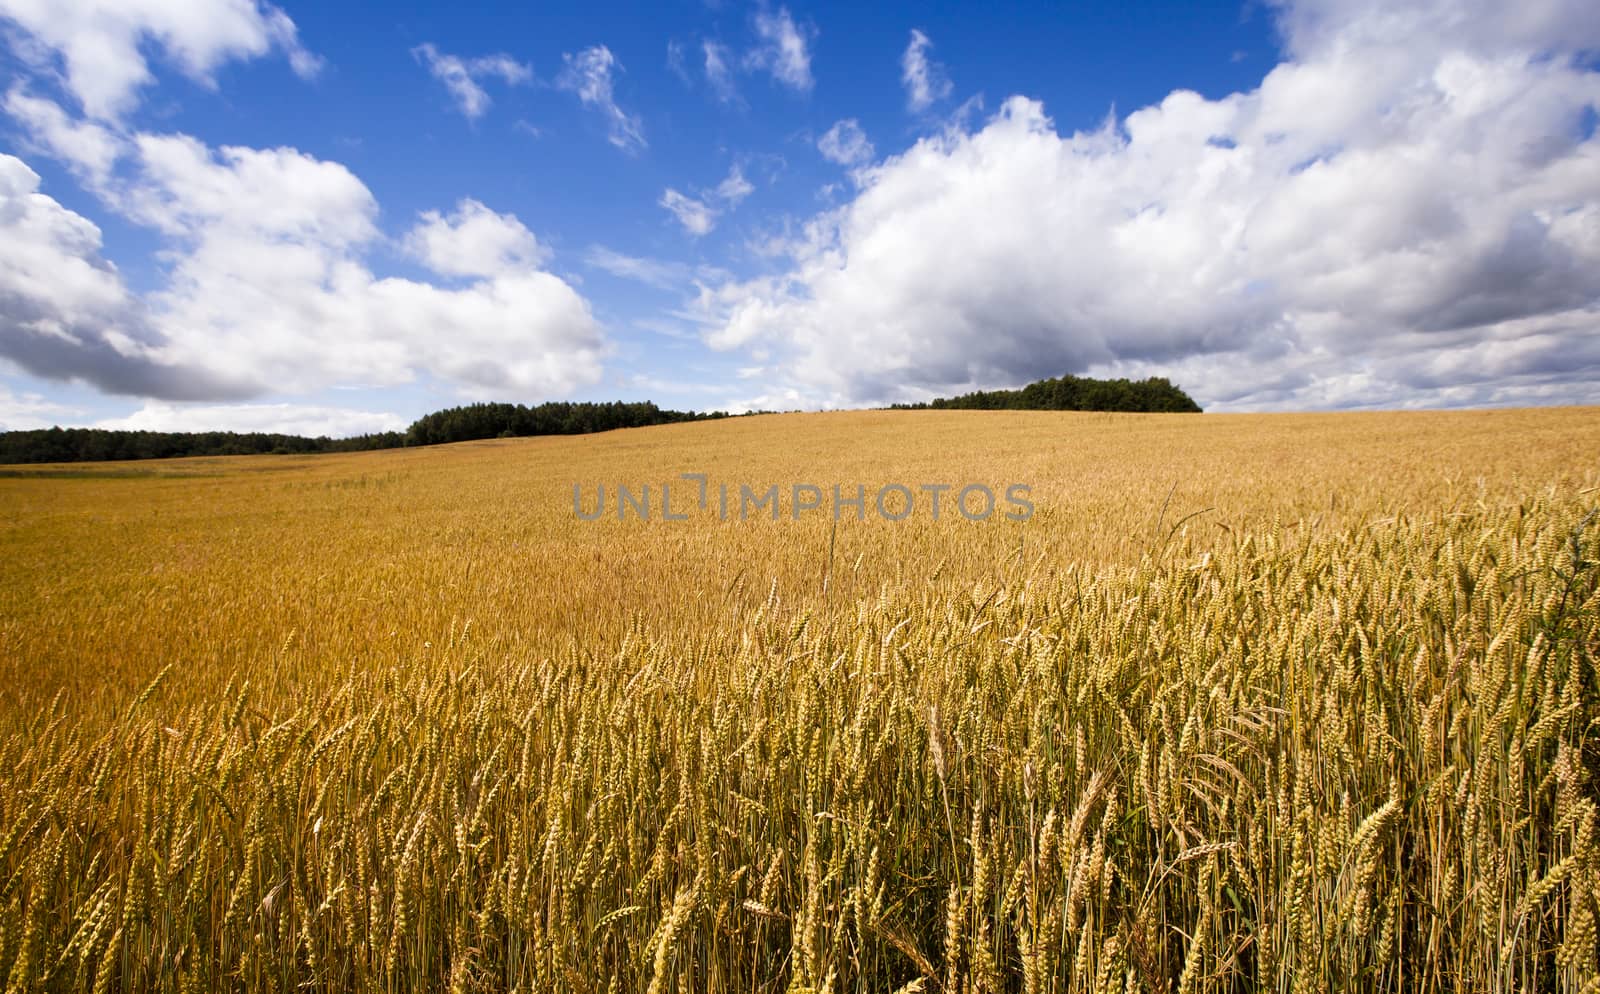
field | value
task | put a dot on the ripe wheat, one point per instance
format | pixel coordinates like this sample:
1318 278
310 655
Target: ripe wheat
395 722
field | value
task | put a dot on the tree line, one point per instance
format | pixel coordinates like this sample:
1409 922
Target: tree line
101 444
456 424
476 421
460 424
1156 395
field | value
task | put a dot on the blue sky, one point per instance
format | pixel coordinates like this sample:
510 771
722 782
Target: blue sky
336 217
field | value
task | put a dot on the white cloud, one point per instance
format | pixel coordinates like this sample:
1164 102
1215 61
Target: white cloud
658 273
667 329
782 50
776 400
267 288
51 255
462 77
1316 28
474 241
845 143
735 188
65 312
1407 208
696 216
719 71
925 80
90 149
676 63
308 420
273 287
25 411
588 74
102 45
185 188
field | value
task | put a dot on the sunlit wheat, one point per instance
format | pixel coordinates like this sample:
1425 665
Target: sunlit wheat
396 722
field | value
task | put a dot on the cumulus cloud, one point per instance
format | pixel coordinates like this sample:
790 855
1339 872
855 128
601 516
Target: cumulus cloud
474 241
925 80
845 143
588 75
309 420
696 216
264 283
65 312
463 77
90 149
267 288
1316 28
101 46
281 195
1408 206
782 49
272 284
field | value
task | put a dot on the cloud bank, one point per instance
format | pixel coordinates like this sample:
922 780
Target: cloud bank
267 289
101 46
265 286
1405 210
288 419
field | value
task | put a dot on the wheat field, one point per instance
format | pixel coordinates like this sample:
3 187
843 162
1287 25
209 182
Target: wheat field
1290 702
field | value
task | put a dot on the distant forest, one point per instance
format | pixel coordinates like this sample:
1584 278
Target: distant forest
474 421
456 424
460 424
1157 395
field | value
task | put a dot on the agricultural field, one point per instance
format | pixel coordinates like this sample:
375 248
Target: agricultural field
1248 702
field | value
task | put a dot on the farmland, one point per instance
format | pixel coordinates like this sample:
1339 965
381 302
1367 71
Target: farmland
1288 702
